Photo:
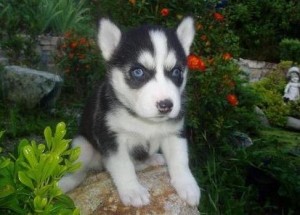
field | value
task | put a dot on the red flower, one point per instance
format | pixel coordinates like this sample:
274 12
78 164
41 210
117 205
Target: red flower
165 12
203 37
81 56
73 45
199 26
82 41
218 16
227 56
67 34
195 63
228 82
133 2
232 99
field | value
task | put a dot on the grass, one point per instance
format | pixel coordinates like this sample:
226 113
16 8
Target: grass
19 123
284 136
261 179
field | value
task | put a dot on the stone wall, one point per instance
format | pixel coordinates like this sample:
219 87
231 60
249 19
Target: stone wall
255 69
46 49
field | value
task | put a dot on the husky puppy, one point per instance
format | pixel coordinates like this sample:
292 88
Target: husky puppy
138 110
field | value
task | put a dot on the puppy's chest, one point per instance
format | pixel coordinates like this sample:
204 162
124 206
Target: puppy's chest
123 123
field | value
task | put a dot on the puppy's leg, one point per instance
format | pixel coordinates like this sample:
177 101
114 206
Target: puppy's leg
122 171
89 158
175 151
154 160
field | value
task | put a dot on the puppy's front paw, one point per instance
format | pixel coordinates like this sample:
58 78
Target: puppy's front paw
188 189
135 195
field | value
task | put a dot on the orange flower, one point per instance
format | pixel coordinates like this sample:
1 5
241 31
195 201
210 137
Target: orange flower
71 55
68 34
195 63
164 12
132 2
81 56
211 60
227 56
228 82
203 37
199 26
232 99
82 41
218 16
73 45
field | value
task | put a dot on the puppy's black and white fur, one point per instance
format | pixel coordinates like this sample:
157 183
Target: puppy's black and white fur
138 110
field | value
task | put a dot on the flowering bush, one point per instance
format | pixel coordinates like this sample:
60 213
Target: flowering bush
79 59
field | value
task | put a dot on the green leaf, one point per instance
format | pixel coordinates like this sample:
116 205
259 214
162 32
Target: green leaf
61 146
6 190
48 137
4 162
30 156
41 148
60 131
75 152
55 191
43 190
39 203
74 167
50 165
25 179
21 145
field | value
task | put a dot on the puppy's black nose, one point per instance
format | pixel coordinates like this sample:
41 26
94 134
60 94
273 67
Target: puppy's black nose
164 106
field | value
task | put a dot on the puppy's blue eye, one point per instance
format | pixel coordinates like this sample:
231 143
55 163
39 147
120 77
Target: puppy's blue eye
176 73
137 73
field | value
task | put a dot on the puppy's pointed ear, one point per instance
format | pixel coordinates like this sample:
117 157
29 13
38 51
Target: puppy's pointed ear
185 33
109 36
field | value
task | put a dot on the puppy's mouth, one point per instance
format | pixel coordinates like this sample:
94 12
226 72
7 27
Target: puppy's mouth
158 118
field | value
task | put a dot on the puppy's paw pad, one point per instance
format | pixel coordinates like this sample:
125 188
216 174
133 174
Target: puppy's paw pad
136 196
189 191
157 160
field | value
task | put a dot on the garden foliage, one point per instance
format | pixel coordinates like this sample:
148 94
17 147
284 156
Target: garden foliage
29 179
22 21
261 25
220 102
79 58
271 90
290 50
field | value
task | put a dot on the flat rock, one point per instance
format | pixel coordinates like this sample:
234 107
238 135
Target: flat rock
98 195
293 123
30 87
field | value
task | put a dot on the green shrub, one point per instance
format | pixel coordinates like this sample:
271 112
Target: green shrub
79 58
29 180
61 16
213 112
290 50
22 21
276 157
261 25
271 90
295 109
